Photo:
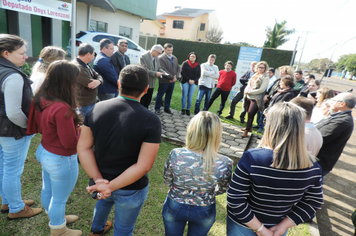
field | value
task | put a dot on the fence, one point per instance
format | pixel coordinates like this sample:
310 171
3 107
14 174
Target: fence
146 42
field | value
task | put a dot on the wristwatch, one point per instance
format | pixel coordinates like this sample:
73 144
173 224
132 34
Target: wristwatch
259 229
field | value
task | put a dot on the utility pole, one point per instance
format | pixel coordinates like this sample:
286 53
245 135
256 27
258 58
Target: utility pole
301 54
293 55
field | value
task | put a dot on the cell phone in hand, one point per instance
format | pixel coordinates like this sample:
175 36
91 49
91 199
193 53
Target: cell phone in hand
95 194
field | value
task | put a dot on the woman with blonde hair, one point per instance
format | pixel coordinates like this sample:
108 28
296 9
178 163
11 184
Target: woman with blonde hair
254 93
195 175
48 55
278 185
321 95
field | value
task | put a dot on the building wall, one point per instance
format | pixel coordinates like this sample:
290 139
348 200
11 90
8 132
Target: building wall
149 28
113 20
185 33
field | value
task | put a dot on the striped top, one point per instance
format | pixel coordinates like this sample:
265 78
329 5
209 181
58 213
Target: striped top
271 194
188 185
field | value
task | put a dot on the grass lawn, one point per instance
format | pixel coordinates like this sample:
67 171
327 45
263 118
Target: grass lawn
80 203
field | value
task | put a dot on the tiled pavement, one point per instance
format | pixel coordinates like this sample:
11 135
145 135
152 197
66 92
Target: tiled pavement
174 127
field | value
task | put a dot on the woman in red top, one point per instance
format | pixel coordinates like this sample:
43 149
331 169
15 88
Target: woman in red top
54 115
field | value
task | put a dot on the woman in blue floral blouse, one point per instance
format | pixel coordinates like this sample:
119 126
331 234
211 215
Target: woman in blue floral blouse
195 174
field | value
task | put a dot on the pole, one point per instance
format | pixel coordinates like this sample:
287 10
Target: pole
73 29
293 55
301 54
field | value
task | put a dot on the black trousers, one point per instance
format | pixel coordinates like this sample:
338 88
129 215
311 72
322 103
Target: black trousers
234 101
146 99
217 92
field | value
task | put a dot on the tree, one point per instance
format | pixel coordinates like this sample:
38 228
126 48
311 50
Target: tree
320 65
241 44
278 35
351 64
341 63
213 35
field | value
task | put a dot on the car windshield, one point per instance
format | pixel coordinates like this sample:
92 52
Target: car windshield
80 34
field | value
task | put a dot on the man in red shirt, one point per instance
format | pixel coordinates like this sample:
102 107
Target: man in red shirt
226 80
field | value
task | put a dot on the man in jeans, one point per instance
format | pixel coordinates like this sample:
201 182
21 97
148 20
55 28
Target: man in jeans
209 72
126 137
168 63
243 80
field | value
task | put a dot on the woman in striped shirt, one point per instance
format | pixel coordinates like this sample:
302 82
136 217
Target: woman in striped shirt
278 185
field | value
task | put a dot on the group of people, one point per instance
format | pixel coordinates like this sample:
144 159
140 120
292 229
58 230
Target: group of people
283 173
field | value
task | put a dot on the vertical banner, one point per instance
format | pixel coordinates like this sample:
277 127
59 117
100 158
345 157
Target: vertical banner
246 56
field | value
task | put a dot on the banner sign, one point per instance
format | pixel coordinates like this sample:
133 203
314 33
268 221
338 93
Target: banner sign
47 8
246 56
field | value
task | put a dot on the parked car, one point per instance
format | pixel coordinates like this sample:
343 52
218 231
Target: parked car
134 51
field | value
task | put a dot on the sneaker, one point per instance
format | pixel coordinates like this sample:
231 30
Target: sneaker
255 127
187 112
229 117
158 112
183 112
242 121
260 130
26 212
107 227
5 207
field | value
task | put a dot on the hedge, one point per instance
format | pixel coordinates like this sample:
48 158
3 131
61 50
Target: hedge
224 52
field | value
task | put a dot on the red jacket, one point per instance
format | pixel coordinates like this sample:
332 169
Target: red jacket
226 80
56 124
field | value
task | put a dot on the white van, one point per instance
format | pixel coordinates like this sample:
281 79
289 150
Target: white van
134 51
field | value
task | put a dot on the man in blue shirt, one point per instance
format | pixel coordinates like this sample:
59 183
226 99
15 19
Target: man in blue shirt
104 66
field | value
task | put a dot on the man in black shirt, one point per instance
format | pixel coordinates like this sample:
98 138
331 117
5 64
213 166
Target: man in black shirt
126 138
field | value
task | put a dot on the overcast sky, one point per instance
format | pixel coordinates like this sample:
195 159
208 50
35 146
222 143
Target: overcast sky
331 23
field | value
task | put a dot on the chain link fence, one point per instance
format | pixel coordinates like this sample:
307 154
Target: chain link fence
146 42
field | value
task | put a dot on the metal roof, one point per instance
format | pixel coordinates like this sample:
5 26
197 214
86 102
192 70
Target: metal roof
103 4
188 12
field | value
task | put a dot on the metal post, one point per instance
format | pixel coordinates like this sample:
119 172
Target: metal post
301 54
293 55
89 16
73 29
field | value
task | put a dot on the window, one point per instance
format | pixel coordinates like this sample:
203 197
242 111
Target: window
100 37
125 31
98 26
202 26
178 24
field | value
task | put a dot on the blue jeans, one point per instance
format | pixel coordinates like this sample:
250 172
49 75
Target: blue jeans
175 216
86 109
260 117
187 91
128 204
106 96
59 175
13 154
201 92
233 229
164 89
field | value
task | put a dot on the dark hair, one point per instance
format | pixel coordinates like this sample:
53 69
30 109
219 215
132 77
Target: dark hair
272 70
10 43
310 76
168 45
288 81
104 43
230 63
304 103
317 82
122 41
133 80
196 56
84 49
299 72
212 56
60 86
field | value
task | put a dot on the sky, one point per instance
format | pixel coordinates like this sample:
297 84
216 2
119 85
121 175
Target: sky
326 27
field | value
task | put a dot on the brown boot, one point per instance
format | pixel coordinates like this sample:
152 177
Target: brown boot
26 212
71 218
5 207
64 231
245 134
106 229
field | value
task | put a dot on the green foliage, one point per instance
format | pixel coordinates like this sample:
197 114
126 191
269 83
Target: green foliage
224 52
351 64
241 44
320 65
277 36
26 69
340 64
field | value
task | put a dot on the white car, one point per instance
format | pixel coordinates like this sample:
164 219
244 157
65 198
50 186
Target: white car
134 51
